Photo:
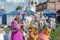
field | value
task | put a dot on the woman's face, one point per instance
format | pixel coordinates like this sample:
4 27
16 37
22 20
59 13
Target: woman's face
36 18
19 18
16 21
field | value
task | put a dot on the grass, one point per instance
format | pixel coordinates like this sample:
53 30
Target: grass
6 30
5 27
55 35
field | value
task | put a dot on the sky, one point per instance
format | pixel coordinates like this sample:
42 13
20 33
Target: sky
10 5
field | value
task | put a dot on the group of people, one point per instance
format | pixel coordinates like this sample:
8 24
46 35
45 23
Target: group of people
32 28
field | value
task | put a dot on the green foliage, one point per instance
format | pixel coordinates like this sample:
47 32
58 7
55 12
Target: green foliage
6 30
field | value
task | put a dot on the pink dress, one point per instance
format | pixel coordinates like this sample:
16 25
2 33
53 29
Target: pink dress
42 36
16 35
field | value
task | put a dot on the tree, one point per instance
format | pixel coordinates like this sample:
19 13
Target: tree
18 7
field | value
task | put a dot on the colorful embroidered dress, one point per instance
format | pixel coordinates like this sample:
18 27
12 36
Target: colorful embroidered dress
33 30
16 32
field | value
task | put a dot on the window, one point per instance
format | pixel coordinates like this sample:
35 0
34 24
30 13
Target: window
35 2
32 3
52 0
58 0
51 5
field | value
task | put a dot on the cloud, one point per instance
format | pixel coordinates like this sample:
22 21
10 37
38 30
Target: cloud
2 3
15 1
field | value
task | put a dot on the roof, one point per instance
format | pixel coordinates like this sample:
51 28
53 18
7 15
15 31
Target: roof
46 11
16 12
13 13
41 3
2 13
30 11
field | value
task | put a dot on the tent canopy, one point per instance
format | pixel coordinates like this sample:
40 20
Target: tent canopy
16 13
30 11
2 13
13 13
48 12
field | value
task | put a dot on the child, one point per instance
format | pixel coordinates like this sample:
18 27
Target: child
2 33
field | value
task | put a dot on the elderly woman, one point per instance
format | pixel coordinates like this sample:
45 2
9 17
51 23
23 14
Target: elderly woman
34 27
17 29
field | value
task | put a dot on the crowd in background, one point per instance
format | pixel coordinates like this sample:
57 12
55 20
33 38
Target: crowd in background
33 27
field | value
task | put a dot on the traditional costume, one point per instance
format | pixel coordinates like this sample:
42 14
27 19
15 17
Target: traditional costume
33 32
45 34
16 32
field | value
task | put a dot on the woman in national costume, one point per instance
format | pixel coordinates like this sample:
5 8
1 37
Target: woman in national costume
17 29
34 27
45 34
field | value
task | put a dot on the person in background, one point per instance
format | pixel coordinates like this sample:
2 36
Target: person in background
45 18
2 33
17 29
58 17
27 21
45 34
43 21
34 28
52 22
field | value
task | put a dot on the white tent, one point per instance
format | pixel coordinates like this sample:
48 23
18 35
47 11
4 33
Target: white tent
11 16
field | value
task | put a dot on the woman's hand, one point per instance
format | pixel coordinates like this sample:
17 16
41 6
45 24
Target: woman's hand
21 27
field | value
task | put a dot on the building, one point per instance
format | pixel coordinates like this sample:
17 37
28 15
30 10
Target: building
32 5
53 5
40 7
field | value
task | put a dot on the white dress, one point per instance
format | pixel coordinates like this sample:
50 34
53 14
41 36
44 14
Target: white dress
28 20
1 34
52 23
26 23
